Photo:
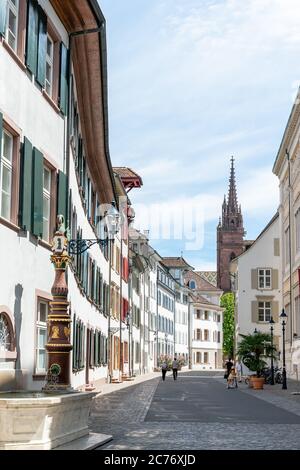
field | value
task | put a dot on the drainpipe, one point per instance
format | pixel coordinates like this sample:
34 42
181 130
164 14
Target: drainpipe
290 250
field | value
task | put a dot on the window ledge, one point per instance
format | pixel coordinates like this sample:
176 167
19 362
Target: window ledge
51 102
9 224
10 355
41 376
14 55
45 244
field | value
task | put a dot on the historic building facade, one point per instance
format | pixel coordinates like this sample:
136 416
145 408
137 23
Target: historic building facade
55 160
287 169
177 267
206 323
230 233
256 276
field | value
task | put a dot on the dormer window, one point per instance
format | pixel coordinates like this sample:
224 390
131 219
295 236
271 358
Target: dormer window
192 284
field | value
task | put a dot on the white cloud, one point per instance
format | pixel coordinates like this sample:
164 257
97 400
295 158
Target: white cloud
193 82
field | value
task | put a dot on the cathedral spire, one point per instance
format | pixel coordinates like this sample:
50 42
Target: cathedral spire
232 218
232 195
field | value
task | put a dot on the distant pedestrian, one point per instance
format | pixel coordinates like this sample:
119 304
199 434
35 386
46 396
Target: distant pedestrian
228 365
164 368
231 381
238 368
175 365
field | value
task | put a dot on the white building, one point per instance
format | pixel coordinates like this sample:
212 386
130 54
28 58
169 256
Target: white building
256 283
55 160
206 323
177 267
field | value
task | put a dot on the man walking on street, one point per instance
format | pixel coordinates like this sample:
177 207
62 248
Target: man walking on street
175 368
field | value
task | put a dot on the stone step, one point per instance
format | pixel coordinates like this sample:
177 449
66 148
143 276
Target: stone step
88 442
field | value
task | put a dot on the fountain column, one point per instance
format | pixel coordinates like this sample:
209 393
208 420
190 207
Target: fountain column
59 320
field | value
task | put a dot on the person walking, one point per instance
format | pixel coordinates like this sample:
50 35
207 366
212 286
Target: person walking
164 368
228 365
175 368
238 368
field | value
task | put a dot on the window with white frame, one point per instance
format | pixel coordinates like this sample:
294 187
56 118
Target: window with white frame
49 66
6 172
297 224
287 246
264 278
264 311
12 23
41 335
46 203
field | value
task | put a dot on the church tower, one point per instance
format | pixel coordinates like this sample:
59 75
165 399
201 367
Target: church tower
230 233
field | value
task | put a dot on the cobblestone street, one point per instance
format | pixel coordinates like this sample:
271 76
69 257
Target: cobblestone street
197 412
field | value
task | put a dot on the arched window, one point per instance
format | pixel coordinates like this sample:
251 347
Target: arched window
6 335
192 284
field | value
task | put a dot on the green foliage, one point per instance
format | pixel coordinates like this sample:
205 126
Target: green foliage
254 349
227 302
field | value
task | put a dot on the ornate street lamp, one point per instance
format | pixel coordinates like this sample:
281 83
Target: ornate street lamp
272 364
283 317
110 220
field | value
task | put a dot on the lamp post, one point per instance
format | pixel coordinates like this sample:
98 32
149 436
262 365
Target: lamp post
283 317
272 363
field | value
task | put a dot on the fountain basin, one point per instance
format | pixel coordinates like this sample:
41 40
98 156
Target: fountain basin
33 420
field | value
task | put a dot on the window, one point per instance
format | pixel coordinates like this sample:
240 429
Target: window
41 335
12 24
219 337
205 358
49 66
206 315
264 278
192 284
198 335
46 203
287 246
198 314
6 172
198 357
264 311
206 335
5 334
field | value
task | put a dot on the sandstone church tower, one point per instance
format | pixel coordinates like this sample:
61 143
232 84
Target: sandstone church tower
230 233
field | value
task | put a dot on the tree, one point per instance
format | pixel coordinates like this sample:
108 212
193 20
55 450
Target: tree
254 349
227 302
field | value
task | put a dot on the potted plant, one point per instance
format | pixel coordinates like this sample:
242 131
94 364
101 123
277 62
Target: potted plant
253 350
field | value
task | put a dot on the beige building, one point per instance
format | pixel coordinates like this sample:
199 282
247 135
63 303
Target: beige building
287 168
256 283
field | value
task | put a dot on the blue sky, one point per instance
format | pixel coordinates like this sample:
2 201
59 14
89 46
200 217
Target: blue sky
192 82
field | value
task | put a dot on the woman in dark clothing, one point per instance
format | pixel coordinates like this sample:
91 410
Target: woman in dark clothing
229 365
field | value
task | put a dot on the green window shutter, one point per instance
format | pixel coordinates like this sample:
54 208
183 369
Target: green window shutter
62 191
42 47
37 178
1 134
64 79
3 12
32 36
26 186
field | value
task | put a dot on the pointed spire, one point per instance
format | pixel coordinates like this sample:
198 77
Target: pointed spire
232 195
